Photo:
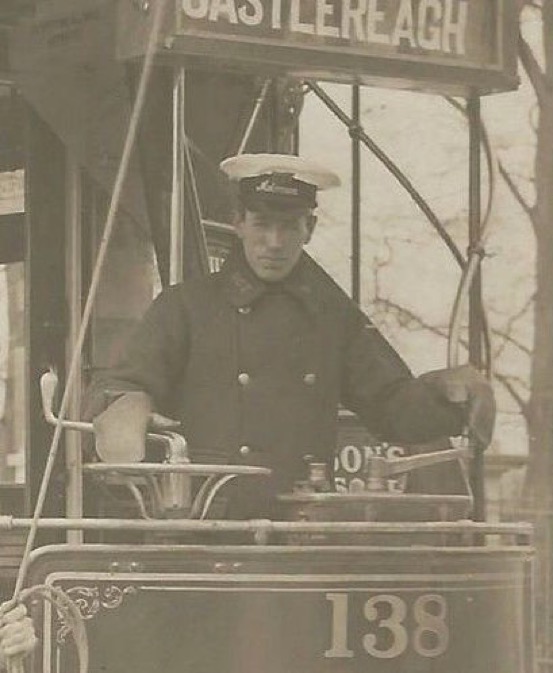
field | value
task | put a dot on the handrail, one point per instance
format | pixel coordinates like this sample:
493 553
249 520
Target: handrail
522 530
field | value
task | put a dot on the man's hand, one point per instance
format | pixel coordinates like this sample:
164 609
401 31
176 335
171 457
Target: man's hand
466 385
17 633
121 429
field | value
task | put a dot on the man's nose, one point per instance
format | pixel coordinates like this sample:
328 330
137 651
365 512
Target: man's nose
274 237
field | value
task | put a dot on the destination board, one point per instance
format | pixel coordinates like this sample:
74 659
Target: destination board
431 44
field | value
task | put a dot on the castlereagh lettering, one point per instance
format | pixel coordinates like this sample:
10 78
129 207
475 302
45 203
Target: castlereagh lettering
431 25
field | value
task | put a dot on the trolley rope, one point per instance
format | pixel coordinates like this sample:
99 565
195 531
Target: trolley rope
15 665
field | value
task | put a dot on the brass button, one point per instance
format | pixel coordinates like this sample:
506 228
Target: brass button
243 379
245 450
244 310
310 379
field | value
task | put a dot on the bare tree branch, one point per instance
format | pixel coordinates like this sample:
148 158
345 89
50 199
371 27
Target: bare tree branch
534 72
505 334
526 207
406 315
507 338
519 400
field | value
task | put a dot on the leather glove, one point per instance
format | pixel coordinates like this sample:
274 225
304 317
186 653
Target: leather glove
466 385
120 430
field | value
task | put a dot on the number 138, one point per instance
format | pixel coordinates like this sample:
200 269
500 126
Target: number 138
430 636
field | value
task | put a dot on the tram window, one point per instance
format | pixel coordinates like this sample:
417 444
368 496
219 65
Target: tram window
12 181
12 345
12 374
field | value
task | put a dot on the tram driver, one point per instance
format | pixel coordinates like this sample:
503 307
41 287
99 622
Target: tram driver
255 359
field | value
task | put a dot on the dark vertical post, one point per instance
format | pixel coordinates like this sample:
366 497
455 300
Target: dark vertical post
355 199
475 297
46 290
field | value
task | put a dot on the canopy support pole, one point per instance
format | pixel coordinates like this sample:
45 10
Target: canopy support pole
355 197
475 296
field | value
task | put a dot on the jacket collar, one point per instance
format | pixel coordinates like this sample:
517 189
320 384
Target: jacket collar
243 288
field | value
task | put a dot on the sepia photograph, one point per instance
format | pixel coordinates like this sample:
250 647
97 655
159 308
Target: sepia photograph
276 336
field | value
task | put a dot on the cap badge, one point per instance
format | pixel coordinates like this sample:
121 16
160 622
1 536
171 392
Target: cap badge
271 186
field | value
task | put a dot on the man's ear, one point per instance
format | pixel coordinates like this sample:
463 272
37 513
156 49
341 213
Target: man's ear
310 223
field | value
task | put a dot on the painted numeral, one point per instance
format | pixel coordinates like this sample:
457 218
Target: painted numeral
339 629
431 637
396 609
388 612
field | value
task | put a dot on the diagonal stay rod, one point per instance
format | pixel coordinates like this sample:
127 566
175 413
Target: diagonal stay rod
357 132
255 114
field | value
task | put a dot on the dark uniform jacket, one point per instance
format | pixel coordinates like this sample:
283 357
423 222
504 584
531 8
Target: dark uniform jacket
255 372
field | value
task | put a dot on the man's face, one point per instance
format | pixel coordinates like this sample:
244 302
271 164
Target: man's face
273 240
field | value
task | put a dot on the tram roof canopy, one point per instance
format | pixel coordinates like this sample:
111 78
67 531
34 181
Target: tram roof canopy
445 46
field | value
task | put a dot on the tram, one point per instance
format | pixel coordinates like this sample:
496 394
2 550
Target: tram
369 569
